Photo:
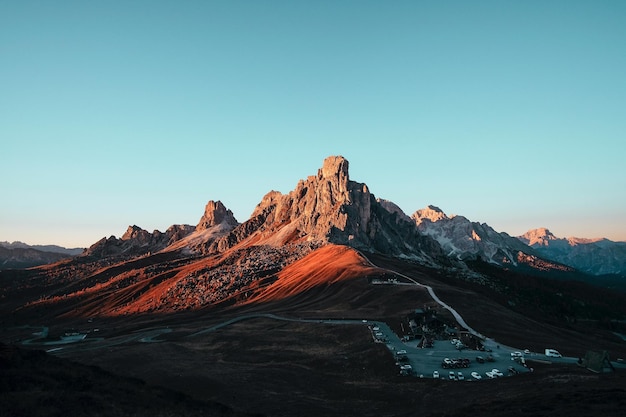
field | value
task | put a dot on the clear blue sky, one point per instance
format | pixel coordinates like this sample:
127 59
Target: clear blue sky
113 113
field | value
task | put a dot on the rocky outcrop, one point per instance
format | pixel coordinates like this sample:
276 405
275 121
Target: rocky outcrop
216 213
330 208
539 237
177 232
216 222
594 256
464 239
137 241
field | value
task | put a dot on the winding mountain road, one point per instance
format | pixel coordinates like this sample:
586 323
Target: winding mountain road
434 296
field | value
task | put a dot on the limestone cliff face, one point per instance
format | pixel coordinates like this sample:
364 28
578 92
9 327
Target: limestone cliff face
319 206
330 208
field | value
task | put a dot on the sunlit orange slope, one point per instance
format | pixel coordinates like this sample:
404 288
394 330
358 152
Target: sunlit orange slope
327 265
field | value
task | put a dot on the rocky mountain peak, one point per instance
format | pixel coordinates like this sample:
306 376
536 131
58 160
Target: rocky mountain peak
330 208
137 234
335 170
216 213
464 239
538 237
318 207
430 213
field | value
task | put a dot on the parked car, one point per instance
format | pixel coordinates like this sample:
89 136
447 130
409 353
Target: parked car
436 374
480 359
460 376
476 375
452 376
553 353
496 372
406 369
490 374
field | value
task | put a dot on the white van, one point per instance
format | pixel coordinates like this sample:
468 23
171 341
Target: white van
552 353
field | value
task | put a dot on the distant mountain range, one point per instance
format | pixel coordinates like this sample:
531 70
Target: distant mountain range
593 256
329 208
21 255
464 239
43 248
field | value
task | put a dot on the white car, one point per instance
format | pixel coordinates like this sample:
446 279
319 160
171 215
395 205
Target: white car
401 352
552 353
460 376
490 374
496 372
436 374
476 375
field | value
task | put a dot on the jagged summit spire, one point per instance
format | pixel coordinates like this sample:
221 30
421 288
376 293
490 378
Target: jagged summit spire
334 166
215 213
331 208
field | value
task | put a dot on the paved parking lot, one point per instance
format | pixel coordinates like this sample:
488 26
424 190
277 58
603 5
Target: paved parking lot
424 361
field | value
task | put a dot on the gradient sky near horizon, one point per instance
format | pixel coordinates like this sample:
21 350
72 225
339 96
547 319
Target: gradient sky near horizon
113 113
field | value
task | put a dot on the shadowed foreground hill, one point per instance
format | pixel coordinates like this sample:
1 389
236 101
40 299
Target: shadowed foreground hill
33 383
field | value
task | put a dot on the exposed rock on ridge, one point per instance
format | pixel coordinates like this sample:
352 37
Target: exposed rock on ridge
216 213
464 239
216 222
330 208
538 237
137 241
594 256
